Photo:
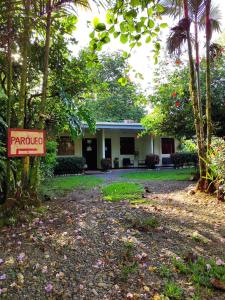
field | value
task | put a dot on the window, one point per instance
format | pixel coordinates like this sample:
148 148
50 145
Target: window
65 146
126 145
167 146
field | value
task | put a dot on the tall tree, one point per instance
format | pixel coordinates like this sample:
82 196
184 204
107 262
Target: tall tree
179 35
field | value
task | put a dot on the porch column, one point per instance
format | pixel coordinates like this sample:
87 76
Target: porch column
152 144
103 143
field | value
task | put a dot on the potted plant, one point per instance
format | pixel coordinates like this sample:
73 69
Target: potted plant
116 163
105 164
151 160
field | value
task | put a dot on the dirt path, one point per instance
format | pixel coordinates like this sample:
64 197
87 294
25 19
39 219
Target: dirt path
84 248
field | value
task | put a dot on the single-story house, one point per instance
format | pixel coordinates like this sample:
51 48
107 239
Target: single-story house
117 141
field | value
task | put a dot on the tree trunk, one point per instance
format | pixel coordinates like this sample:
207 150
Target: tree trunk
197 68
194 98
23 84
36 168
208 76
9 85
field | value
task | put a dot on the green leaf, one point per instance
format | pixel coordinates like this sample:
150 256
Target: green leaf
92 35
125 54
105 40
134 3
122 81
163 25
95 21
111 29
131 13
160 8
116 34
100 27
150 11
151 23
124 38
137 37
148 39
123 26
109 17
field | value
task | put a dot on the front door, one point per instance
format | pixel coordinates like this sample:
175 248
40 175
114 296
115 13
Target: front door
89 147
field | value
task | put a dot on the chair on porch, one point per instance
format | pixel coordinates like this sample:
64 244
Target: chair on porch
127 163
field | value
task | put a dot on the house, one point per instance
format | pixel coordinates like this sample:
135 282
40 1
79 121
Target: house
120 141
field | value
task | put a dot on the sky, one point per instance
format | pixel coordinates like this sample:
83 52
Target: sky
141 57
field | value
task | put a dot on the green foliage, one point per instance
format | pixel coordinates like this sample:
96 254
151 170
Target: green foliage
129 21
173 291
217 159
184 159
165 272
188 146
49 161
172 109
201 271
151 160
182 174
122 191
69 165
128 269
115 97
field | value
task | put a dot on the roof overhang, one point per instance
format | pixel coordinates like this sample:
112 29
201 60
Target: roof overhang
117 125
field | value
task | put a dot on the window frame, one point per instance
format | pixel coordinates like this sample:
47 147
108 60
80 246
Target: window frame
68 152
172 147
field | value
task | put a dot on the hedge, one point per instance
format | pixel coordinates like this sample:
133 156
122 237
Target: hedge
69 165
181 159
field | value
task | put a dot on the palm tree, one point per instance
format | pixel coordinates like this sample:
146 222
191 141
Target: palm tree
194 11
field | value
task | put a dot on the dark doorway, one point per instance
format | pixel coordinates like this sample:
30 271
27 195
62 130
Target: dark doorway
108 148
89 147
167 146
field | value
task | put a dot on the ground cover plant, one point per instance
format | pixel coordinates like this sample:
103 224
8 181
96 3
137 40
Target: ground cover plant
122 191
61 185
181 174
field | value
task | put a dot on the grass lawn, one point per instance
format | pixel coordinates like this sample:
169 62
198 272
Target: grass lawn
61 185
172 174
122 191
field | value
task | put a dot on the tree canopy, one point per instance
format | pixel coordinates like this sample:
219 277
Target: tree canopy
172 114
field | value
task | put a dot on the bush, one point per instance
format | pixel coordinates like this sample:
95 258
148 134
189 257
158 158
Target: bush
49 161
105 164
188 146
151 160
181 159
69 165
216 165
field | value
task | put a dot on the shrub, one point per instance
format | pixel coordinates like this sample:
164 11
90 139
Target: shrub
181 159
49 161
188 146
69 165
105 164
216 165
151 160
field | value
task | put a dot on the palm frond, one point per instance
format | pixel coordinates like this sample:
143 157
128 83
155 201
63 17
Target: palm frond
215 19
196 8
173 8
178 36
